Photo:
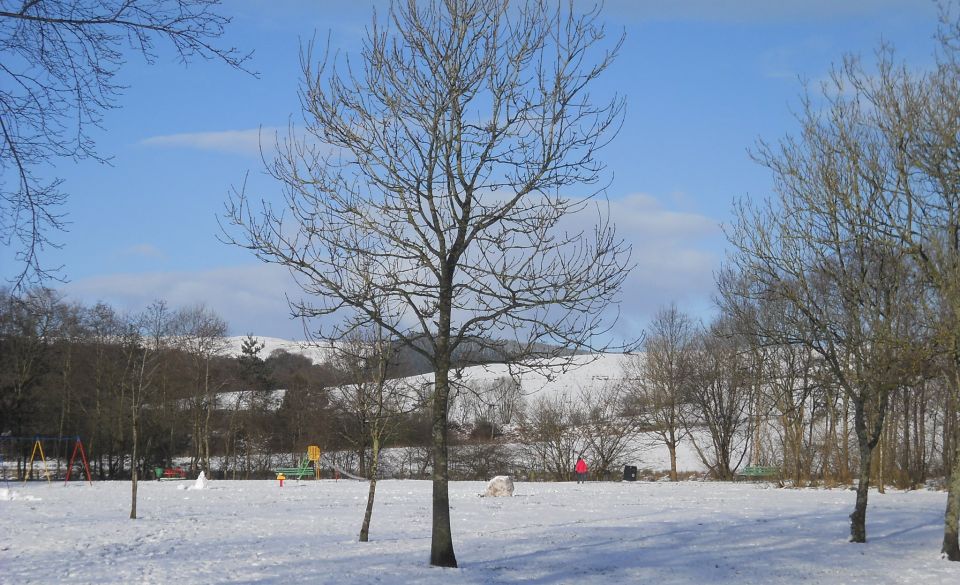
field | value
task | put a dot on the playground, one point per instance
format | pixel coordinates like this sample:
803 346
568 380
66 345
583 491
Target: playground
594 533
46 461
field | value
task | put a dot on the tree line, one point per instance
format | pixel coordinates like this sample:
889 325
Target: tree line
162 386
67 369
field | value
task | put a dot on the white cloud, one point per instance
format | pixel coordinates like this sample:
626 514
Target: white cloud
148 251
675 253
246 142
760 11
253 142
646 218
250 298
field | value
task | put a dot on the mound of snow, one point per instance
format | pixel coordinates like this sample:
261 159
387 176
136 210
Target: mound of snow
201 483
8 495
500 486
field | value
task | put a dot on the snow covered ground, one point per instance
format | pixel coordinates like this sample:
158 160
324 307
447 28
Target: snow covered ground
624 533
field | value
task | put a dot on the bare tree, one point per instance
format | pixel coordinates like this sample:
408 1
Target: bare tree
489 404
548 434
442 168
506 400
372 399
913 122
720 398
58 66
28 326
659 377
144 341
792 376
787 375
610 434
820 248
247 421
201 333
467 405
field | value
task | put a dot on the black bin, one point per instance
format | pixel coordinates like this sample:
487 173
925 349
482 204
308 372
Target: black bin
629 473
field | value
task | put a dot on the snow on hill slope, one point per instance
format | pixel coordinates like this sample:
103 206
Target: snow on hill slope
316 353
584 372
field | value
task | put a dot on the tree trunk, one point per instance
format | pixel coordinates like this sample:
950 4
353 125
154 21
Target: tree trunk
831 461
372 492
858 519
845 445
906 452
195 439
881 463
951 542
919 471
133 465
211 404
672 448
867 440
441 545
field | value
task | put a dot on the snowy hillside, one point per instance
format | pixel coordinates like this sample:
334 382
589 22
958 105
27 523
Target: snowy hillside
311 351
586 371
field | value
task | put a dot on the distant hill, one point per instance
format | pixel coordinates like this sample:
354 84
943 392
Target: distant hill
314 353
585 371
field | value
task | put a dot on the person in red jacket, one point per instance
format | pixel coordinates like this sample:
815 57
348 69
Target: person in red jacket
581 470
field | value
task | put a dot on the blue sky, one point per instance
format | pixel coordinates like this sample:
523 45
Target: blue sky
703 81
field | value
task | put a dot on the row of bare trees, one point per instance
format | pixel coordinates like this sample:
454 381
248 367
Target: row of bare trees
855 262
737 401
835 378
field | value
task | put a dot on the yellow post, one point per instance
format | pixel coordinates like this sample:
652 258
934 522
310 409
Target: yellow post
33 453
313 454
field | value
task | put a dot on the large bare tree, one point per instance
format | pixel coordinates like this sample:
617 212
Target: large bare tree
913 119
660 377
820 250
58 61
435 175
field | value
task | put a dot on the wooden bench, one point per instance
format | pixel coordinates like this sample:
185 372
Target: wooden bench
170 473
297 472
758 471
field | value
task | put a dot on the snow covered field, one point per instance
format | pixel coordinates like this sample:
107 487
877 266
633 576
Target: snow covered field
623 533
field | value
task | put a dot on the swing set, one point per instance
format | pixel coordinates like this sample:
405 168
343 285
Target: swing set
37 441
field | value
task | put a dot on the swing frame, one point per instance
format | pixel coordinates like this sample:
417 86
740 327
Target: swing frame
38 448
